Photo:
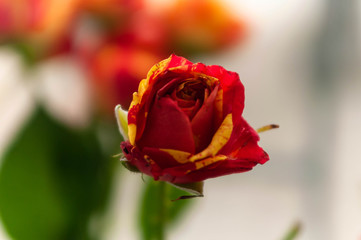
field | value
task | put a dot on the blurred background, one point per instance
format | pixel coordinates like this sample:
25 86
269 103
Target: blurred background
64 65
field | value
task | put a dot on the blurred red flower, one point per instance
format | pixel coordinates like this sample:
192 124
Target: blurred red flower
116 71
44 24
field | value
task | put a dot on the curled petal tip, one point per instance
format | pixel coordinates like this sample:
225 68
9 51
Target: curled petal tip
267 127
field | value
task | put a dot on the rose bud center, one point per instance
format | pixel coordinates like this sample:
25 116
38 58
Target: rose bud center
190 96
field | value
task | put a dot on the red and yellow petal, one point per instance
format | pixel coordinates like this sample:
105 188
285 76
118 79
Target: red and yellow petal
217 169
203 124
242 134
219 139
142 99
166 158
163 127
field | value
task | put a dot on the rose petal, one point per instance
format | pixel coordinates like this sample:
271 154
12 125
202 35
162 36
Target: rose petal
166 158
176 61
203 124
233 91
185 173
242 134
251 152
136 158
157 86
140 104
233 101
191 111
207 168
167 127
219 140
217 169
168 85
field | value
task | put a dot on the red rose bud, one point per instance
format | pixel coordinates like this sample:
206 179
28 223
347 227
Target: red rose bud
185 124
203 25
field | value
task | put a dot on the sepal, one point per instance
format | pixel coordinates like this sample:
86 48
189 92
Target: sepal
130 167
195 188
122 120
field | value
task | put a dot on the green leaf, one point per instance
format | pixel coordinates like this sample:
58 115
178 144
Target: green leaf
293 232
151 212
53 182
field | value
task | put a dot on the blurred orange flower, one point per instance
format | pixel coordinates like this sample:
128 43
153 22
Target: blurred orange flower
113 8
203 25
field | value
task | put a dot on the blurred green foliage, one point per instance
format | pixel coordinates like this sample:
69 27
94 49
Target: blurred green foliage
54 182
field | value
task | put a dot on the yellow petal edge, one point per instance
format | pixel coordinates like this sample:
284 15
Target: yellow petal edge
179 156
219 139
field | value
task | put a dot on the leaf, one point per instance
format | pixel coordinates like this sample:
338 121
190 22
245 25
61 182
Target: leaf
151 212
293 232
130 167
53 181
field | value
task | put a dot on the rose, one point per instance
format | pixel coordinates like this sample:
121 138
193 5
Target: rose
185 124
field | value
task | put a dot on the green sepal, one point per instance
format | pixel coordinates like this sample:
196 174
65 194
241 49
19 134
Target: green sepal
195 188
122 120
130 167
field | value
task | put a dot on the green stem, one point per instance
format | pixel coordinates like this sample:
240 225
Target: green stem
162 210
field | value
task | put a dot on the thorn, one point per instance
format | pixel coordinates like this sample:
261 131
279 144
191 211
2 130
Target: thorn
267 127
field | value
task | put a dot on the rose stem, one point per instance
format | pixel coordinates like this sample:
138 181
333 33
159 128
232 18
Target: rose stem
162 210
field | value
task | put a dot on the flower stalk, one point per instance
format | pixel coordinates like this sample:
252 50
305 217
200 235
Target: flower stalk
162 220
